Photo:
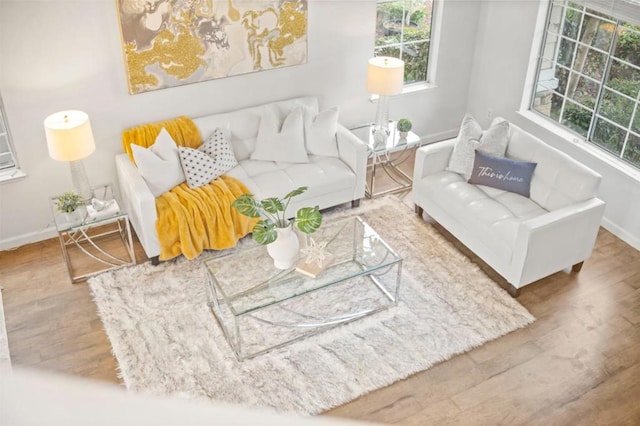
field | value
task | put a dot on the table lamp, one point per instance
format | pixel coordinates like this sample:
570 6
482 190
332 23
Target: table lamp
385 77
69 138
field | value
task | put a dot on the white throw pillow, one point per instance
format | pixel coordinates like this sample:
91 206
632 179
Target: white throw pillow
320 131
283 142
211 160
159 164
493 141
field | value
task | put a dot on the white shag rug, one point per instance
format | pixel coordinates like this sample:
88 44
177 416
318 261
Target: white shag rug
166 340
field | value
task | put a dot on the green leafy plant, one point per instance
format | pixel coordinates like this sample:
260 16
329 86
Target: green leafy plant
68 202
404 125
273 212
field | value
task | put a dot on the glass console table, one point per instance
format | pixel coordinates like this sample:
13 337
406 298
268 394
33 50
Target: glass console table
260 308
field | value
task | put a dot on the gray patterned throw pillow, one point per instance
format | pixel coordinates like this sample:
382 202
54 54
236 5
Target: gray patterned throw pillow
493 141
211 160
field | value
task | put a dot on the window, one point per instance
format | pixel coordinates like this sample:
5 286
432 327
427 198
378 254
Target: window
588 76
8 163
403 30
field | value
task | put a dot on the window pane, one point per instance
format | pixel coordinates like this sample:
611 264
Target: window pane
608 136
549 104
565 55
635 126
582 90
555 19
577 118
627 44
624 78
393 51
616 107
549 52
594 64
7 160
415 56
387 12
571 23
562 74
4 143
632 150
596 32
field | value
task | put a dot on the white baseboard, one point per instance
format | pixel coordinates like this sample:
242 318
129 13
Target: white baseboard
621 233
31 237
437 137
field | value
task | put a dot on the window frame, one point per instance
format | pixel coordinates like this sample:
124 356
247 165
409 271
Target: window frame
598 110
10 172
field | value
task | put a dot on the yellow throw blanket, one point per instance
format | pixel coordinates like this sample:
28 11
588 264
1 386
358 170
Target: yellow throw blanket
192 220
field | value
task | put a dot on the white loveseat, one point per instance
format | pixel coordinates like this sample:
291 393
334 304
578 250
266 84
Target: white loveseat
522 238
331 180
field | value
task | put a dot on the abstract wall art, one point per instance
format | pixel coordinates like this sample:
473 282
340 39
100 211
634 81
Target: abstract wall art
168 43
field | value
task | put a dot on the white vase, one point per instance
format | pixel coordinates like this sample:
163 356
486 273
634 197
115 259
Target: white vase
284 249
72 217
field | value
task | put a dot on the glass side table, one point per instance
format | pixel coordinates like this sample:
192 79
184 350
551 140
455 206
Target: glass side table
380 157
87 236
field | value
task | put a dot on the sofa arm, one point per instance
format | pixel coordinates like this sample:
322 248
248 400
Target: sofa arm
139 203
354 152
561 238
432 158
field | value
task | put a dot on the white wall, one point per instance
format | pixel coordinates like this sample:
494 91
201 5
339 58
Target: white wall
65 54
505 34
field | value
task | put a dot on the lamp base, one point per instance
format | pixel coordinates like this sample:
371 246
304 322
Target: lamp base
381 126
81 181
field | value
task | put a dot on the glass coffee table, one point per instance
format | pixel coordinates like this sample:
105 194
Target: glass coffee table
260 308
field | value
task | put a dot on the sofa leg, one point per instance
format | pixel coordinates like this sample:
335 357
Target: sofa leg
514 292
355 203
419 210
577 267
155 260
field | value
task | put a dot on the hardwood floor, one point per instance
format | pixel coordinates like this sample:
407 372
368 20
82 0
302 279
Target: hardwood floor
579 363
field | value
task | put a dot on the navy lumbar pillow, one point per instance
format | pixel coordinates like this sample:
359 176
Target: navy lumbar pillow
502 173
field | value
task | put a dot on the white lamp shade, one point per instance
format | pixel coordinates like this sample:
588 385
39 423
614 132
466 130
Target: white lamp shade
69 135
385 75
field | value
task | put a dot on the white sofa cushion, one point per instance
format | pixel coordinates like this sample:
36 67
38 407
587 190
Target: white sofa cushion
320 131
280 140
159 164
492 214
559 180
323 175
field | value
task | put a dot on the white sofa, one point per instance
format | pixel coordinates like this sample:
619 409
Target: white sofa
331 180
522 239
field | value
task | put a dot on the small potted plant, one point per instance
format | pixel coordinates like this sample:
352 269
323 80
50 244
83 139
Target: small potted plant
68 203
275 228
404 125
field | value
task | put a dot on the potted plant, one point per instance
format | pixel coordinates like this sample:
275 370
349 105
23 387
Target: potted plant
68 203
404 125
275 228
